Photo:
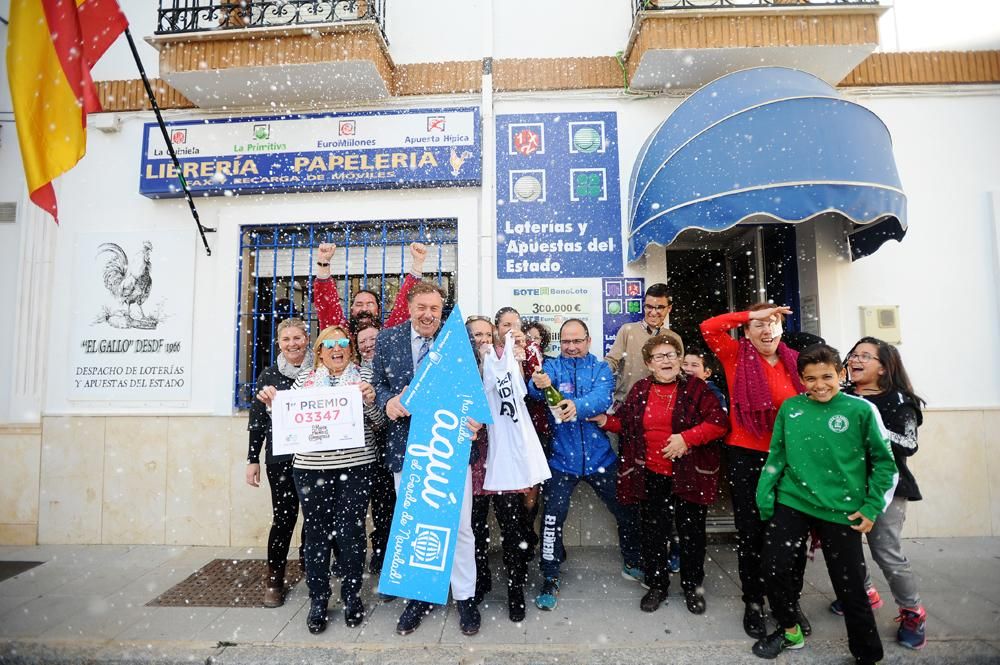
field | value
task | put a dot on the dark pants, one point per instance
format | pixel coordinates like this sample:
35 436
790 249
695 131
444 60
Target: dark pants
510 514
659 512
784 552
334 503
744 466
383 501
556 493
285 512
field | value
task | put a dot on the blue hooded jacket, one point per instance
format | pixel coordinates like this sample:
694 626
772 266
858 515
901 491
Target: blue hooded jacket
580 448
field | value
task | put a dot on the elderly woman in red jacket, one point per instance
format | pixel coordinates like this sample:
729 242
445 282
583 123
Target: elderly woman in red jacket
669 465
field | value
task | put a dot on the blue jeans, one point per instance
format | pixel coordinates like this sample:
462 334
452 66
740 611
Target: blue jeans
556 494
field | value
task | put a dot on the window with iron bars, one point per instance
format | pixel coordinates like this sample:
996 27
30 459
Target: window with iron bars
277 265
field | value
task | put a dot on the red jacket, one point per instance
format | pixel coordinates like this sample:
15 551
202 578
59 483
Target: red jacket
696 474
326 300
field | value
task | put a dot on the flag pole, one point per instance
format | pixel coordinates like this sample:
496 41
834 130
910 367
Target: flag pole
170 145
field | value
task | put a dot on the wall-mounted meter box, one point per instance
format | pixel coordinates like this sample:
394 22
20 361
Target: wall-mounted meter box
882 322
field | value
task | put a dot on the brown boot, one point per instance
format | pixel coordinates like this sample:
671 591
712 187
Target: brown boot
274 589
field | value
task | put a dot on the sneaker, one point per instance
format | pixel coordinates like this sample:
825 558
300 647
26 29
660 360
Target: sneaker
468 616
801 619
411 617
633 574
675 561
776 642
548 598
754 622
354 612
912 624
874 600
316 620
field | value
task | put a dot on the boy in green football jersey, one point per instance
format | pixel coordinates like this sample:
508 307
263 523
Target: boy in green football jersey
830 467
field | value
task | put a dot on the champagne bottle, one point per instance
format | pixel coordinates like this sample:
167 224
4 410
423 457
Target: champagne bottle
552 398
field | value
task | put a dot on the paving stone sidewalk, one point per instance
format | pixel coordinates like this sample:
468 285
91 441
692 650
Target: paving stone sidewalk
88 604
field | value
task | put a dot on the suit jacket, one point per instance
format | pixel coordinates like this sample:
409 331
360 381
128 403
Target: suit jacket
392 367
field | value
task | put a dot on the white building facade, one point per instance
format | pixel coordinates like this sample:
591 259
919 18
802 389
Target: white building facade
139 460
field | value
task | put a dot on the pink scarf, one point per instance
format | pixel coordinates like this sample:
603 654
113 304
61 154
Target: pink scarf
752 404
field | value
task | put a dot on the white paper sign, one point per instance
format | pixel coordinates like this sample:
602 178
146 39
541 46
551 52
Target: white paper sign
131 320
317 419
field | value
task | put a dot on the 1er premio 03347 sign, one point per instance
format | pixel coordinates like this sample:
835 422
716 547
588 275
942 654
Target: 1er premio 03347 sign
317 419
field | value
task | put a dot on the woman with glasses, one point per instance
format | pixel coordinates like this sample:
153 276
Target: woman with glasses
761 373
877 374
333 486
669 466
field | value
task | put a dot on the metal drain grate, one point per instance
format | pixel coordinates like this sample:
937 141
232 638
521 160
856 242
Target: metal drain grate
225 583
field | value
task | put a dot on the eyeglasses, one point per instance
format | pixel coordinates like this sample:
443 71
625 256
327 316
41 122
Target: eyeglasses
656 308
669 355
863 357
573 341
330 343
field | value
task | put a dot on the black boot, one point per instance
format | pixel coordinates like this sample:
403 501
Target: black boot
316 621
354 612
515 603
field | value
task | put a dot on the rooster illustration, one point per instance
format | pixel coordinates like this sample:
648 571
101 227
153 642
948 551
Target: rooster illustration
456 160
130 289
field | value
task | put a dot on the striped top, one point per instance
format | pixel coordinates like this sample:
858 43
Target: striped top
374 419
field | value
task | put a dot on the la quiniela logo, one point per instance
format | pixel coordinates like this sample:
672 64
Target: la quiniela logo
430 545
838 424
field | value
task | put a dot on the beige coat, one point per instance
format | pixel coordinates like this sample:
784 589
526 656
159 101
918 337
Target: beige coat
625 356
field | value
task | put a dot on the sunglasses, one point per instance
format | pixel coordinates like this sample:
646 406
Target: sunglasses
331 343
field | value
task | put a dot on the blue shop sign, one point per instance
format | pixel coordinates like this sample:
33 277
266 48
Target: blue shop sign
558 200
321 152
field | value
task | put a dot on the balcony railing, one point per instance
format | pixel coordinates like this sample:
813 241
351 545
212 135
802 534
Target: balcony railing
654 5
177 16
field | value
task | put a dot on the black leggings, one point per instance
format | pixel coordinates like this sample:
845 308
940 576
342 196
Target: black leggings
510 513
383 503
285 507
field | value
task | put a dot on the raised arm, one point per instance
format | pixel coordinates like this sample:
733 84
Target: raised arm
326 300
401 308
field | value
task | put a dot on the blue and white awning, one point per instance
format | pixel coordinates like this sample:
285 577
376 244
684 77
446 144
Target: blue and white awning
768 141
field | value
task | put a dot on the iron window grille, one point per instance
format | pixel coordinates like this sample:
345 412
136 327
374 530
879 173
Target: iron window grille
277 268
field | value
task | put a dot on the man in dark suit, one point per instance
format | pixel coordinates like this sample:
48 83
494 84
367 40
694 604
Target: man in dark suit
398 351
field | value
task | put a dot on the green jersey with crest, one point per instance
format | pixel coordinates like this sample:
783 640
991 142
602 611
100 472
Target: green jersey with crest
828 460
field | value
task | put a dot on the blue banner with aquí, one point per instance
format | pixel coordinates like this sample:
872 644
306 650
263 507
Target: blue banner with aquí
446 391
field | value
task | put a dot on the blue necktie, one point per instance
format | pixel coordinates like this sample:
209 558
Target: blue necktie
424 348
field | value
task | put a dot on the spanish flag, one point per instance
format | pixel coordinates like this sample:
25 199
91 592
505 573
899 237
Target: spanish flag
51 47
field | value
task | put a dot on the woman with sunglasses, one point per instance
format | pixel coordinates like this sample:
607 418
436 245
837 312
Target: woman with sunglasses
333 486
877 374
669 466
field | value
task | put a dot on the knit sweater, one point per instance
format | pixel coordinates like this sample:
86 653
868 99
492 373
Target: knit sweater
828 460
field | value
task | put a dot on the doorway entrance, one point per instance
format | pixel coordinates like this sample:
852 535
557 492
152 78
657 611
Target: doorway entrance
712 273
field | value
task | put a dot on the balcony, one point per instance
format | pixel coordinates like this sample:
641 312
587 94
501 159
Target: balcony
684 44
252 53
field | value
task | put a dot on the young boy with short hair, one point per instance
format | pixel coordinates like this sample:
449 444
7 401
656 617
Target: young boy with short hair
830 467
